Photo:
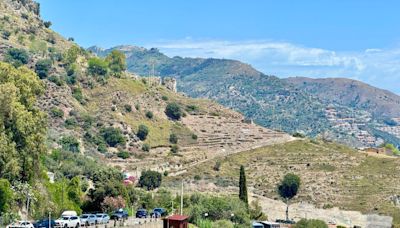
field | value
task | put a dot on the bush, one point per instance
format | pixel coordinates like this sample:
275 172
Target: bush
16 57
194 136
299 135
146 147
164 98
56 80
112 136
128 108
97 66
70 143
310 223
174 149
197 177
6 196
150 180
42 68
70 123
77 94
6 35
217 166
123 154
173 138
173 111
56 112
47 24
192 108
149 114
102 147
143 131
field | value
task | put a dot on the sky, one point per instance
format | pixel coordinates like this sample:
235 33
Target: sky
357 39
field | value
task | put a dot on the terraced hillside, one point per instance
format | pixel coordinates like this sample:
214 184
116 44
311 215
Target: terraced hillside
332 175
292 105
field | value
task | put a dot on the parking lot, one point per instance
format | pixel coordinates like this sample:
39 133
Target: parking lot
133 223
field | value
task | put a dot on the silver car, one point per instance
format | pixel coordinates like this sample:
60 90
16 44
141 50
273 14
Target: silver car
102 218
88 219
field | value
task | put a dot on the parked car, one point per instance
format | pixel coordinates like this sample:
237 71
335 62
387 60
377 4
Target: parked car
69 213
158 212
141 213
120 214
68 222
44 223
20 224
88 219
102 218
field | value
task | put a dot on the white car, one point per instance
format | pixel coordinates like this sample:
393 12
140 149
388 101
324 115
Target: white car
68 222
21 224
102 218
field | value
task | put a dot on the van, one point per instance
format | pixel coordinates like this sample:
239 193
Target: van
69 213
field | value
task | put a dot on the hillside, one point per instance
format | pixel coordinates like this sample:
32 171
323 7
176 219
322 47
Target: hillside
351 93
348 112
98 112
332 175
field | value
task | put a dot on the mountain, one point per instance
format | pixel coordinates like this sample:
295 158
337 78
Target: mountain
343 110
352 93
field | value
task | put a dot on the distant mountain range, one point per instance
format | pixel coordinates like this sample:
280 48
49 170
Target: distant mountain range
337 109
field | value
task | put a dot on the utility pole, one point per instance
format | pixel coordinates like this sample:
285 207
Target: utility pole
182 199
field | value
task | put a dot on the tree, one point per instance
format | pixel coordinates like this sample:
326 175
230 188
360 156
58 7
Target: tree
243 186
47 24
16 57
22 124
143 131
173 138
150 179
288 189
174 111
310 223
110 203
97 66
6 196
256 212
70 143
116 62
42 68
112 136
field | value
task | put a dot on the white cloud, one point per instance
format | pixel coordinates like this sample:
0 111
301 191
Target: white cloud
378 67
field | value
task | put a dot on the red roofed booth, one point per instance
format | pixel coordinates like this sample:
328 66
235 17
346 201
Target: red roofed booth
176 221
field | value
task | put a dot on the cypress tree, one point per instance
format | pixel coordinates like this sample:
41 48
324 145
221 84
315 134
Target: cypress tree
243 186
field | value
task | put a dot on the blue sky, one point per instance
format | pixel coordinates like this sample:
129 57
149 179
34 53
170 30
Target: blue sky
357 39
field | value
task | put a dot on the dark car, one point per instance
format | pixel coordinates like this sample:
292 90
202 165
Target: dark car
158 212
119 215
44 223
141 213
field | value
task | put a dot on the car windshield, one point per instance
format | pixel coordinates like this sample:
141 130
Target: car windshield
84 216
99 216
65 218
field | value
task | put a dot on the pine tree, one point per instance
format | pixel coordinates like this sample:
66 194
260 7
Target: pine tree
243 186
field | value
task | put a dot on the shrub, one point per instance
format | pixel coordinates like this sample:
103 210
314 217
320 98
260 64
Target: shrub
173 138
217 166
6 35
146 147
47 24
174 149
70 123
56 112
16 57
56 80
164 98
194 136
112 136
6 196
298 135
70 143
197 177
102 147
149 114
166 173
137 107
192 108
150 180
173 111
128 108
123 154
310 223
77 94
42 68
97 66
143 131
